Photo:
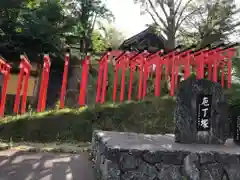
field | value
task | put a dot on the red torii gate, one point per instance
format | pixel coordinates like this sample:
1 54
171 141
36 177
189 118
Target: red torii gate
103 74
5 71
213 58
173 61
151 60
122 62
23 77
138 62
64 80
84 80
44 84
102 78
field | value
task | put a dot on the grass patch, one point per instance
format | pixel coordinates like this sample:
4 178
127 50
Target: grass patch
69 125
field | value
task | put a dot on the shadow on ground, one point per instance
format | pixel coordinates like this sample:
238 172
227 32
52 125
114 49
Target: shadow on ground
19 165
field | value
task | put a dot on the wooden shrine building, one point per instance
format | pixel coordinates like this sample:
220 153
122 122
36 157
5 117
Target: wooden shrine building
145 40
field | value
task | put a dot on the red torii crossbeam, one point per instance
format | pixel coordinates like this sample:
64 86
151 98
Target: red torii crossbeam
23 77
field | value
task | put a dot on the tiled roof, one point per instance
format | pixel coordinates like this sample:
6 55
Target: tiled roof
140 35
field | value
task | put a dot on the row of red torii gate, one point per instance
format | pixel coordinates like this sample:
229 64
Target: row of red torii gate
206 63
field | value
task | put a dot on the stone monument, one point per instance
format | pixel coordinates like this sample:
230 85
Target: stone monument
202 127
201 113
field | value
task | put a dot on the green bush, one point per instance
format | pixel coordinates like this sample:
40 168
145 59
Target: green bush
233 96
148 116
154 115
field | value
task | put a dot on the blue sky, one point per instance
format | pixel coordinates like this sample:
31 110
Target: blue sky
128 19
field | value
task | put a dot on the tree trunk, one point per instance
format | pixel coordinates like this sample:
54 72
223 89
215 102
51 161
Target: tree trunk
75 75
73 83
171 40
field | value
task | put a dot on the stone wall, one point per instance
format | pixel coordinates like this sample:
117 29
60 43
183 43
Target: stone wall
130 156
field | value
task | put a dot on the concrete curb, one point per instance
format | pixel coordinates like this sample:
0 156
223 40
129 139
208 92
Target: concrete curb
45 148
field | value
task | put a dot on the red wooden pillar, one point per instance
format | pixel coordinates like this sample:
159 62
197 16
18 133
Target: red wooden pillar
215 70
140 81
187 67
24 96
99 83
44 99
5 70
210 69
122 90
172 88
64 80
132 70
40 97
229 63
44 84
230 54
105 79
115 83
48 64
102 76
83 85
222 75
23 78
158 78
200 69
167 67
145 79
177 67
19 87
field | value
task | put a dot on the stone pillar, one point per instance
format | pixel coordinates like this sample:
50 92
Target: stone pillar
201 113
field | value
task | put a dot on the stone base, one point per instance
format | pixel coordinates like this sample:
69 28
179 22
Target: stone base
130 156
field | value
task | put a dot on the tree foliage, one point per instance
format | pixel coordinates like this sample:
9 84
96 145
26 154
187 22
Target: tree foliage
113 37
192 21
87 15
106 37
214 22
167 15
98 41
35 27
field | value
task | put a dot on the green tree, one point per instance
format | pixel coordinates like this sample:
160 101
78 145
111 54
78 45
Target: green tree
33 27
202 18
98 42
167 16
213 23
46 25
87 15
9 12
113 37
